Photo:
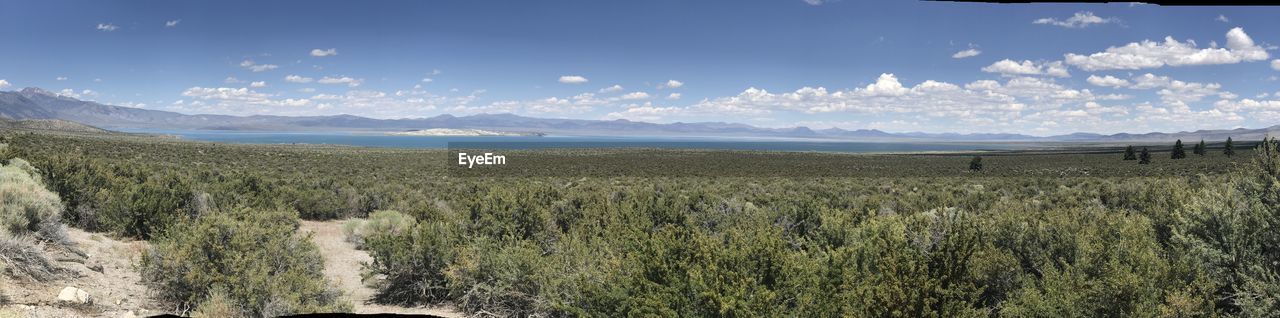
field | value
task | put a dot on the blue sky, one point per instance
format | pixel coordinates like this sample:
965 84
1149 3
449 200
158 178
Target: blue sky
891 65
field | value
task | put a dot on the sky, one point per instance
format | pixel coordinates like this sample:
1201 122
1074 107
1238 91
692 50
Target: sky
897 66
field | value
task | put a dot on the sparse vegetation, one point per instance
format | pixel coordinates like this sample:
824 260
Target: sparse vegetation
29 217
1046 234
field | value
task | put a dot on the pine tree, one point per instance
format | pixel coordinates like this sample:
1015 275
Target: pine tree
1129 153
1178 152
1145 157
976 164
1229 148
1199 148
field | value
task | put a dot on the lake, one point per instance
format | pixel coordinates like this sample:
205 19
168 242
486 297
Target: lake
552 141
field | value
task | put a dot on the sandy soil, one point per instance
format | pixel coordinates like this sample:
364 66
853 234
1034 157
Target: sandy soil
107 274
342 264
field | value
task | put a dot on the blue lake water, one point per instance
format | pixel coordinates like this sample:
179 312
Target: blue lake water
514 142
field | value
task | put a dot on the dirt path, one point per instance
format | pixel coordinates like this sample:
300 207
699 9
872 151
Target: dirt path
342 266
106 274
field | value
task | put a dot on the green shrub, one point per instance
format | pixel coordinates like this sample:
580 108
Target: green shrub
383 222
26 207
252 255
217 305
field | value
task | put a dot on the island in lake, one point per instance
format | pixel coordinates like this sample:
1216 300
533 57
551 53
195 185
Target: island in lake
462 132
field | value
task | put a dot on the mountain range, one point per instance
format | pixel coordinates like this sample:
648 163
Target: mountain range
39 104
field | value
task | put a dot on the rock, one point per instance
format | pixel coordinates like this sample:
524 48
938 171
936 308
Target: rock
74 295
128 314
96 267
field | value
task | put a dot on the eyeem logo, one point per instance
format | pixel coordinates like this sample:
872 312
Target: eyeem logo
484 160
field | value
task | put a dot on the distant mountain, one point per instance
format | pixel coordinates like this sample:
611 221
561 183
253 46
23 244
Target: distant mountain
35 103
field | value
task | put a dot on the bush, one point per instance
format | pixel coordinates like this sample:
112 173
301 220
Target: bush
23 258
383 222
254 256
26 207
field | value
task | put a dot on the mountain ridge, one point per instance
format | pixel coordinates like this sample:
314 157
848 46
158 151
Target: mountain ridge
37 103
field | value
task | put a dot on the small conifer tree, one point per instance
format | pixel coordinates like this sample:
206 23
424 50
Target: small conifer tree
1178 152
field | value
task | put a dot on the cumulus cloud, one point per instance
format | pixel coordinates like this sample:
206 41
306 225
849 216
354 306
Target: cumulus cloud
1079 20
573 79
107 27
4 84
1275 64
673 96
351 82
1222 18
611 89
635 95
232 80
324 52
1149 54
242 99
255 67
298 79
815 2
671 84
1107 81
646 112
966 53
61 78
82 94
1009 67
171 23
258 84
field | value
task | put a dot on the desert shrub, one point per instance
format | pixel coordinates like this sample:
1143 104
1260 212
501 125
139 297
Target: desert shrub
22 257
217 305
382 222
252 255
26 207
414 263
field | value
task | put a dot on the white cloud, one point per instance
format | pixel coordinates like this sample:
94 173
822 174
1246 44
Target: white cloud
82 94
611 89
241 99
4 84
325 52
258 84
815 2
171 23
573 79
1079 20
107 27
966 53
1275 64
1107 81
646 112
255 67
351 82
671 84
1222 18
673 96
427 80
635 95
1149 54
61 78
232 80
1009 67
298 79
